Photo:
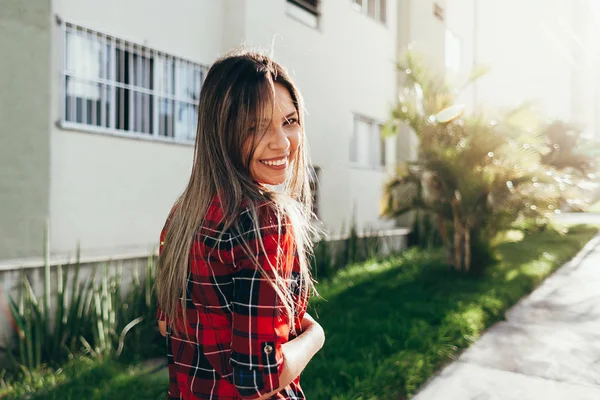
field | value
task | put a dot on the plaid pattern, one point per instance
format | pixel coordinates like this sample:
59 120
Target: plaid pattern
234 331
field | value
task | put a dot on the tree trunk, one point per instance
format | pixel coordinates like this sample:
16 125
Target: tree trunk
441 225
458 248
457 239
467 248
442 229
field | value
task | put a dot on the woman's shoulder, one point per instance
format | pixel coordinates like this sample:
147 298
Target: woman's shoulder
246 217
263 215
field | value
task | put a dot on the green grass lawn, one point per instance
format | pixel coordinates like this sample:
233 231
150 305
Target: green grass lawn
390 325
92 379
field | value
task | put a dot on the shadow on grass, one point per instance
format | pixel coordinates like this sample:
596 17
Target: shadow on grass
391 328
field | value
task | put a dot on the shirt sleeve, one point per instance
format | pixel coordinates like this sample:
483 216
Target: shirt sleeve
258 331
160 315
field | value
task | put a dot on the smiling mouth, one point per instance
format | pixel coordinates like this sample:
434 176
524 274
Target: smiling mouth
275 163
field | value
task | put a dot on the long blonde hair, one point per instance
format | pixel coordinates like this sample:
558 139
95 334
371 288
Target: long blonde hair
238 88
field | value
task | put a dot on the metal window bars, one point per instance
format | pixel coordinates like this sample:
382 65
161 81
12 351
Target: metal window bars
115 86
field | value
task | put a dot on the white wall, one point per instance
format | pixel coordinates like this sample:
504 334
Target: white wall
425 32
585 73
529 60
190 29
112 193
459 21
538 50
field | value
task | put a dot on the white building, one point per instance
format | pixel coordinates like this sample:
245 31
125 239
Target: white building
98 108
98 98
545 51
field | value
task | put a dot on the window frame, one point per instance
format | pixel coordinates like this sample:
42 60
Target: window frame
304 12
307 6
130 90
452 41
377 150
315 175
362 6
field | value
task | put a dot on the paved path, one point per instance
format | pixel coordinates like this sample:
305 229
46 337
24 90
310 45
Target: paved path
547 349
579 218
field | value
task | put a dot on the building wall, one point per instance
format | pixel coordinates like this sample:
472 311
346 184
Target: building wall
24 135
420 31
425 30
585 65
113 193
460 23
538 50
184 28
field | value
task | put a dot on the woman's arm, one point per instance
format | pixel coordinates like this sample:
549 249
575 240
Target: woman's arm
307 321
263 357
162 327
298 352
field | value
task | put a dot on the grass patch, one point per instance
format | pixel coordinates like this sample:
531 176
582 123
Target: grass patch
390 325
89 378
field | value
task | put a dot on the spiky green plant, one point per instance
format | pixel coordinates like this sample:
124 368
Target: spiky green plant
75 316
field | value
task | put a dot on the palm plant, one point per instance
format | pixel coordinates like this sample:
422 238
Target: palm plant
474 176
573 161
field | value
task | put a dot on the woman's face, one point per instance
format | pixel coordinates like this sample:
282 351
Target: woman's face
276 140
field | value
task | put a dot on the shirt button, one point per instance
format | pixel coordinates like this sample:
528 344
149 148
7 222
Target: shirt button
268 349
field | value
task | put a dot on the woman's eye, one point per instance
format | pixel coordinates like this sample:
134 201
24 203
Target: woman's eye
291 121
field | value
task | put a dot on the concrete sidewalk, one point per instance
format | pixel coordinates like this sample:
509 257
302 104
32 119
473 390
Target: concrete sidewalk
549 347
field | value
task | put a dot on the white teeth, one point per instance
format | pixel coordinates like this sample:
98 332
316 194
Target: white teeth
278 162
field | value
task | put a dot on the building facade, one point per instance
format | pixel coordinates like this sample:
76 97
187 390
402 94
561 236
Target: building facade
543 51
98 98
99 108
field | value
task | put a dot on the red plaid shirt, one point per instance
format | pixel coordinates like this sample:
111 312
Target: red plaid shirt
234 328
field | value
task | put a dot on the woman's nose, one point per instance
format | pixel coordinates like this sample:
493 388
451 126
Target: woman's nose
279 140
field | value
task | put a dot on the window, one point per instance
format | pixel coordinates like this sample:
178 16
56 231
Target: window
382 146
111 85
367 147
305 11
312 6
453 52
375 9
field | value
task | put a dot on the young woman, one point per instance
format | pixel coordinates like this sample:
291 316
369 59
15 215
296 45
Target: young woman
233 277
